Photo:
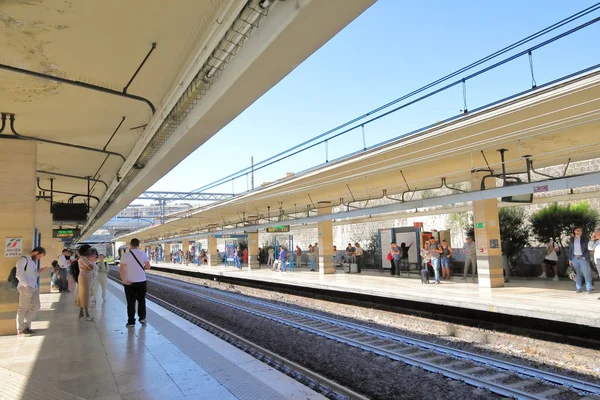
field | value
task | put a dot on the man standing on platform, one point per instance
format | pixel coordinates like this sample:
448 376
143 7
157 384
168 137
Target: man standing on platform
358 252
64 261
29 292
579 259
132 267
470 252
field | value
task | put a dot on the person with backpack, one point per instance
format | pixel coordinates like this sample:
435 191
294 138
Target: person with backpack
133 268
26 274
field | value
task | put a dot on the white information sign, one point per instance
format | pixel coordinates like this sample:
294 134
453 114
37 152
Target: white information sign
13 247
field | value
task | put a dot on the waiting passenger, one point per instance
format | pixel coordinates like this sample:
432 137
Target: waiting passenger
64 262
271 258
86 263
316 254
311 257
579 259
396 255
404 257
445 259
358 253
75 274
435 251
470 251
133 268
349 254
29 293
298 254
54 278
550 259
594 247
102 277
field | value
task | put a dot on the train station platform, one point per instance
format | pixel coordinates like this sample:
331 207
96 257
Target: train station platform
170 358
534 298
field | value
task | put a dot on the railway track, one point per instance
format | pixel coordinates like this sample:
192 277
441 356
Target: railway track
500 377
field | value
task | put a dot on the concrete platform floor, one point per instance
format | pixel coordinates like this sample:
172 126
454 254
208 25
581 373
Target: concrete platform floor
171 358
539 298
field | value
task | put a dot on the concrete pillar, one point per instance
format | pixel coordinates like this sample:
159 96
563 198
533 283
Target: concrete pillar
253 251
325 232
17 215
487 236
166 252
43 223
213 254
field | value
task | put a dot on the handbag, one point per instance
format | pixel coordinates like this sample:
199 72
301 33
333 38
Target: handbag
389 256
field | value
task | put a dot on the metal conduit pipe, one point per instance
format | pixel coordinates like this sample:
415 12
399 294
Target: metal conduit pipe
78 84
74 146
62 192
84 178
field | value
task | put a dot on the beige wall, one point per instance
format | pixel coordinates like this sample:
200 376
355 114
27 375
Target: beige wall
17 214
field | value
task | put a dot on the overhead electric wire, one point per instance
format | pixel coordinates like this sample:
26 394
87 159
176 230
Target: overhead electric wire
506 49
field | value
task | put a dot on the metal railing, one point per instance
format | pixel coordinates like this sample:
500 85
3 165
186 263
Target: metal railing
426 92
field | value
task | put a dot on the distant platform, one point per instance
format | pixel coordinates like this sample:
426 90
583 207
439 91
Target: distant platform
170 358
536 298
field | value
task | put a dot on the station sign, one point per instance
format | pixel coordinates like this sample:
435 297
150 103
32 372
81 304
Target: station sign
278 229
480 225
226 236
66 233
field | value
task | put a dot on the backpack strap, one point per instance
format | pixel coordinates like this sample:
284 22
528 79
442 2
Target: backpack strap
26 263
138 261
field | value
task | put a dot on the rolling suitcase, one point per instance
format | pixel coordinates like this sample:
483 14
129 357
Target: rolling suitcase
424 273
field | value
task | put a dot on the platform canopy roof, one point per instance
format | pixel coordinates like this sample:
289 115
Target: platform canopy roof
130 85
548 126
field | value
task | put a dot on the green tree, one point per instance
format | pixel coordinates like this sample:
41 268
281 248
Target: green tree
556 222
514 232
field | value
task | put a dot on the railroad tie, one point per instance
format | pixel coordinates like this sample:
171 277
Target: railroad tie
522 384
550 392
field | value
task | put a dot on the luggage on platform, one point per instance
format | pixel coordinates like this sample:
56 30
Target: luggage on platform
424 273
350 268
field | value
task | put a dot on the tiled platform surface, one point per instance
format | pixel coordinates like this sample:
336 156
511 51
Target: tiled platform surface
168 359
539 298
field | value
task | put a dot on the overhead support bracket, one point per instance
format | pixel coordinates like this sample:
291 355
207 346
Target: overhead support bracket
85 178
74 146
52 191
139 68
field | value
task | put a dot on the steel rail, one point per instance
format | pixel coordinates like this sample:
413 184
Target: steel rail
509 366
550 377
407 359
259 352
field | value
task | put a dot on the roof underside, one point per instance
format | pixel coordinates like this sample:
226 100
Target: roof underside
101 43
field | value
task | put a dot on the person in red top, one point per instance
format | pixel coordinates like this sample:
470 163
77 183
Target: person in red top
245 256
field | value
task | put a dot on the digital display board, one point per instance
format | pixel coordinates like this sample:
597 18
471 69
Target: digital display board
276 229
65 233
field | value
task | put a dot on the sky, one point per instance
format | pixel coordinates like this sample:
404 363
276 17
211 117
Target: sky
393 48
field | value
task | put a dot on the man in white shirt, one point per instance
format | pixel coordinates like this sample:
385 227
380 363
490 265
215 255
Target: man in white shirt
64 261
132 267
29 293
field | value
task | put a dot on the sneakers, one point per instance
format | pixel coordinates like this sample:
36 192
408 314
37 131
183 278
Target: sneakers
437 282
89 318
130 324
25 332
143 322
555 279
543 275
578 291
